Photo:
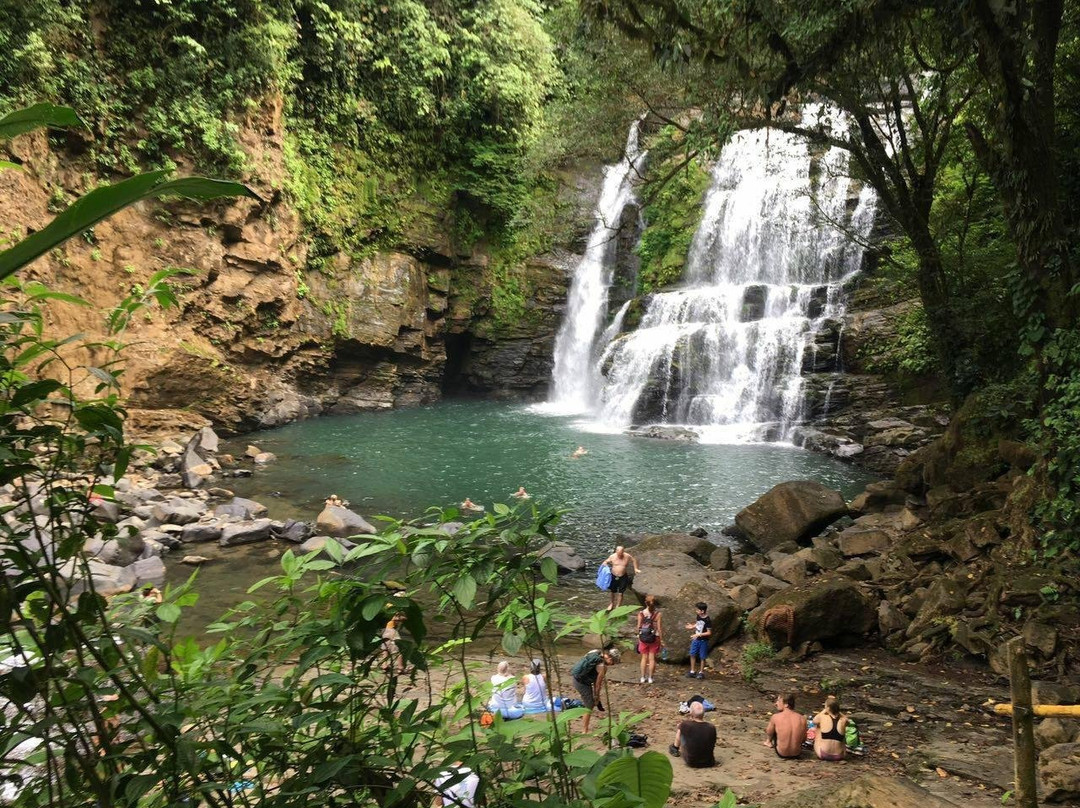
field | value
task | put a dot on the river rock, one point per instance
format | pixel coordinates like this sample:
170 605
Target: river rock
148 571
565 557
194 560
745 596
821 557
700 550
1059 772
252 451
207 441
1052 731
830 607
245 532
291 530
176 511
664 432
262 458
241 508
197 532
340 522
791 568
108 579
106 511
791 511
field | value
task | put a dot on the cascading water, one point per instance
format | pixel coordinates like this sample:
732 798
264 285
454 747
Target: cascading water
576 376
765 272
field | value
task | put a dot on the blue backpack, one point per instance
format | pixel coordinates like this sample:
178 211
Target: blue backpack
603 577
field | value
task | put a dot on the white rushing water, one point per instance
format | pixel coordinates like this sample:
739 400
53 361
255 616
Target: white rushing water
724 353
576 374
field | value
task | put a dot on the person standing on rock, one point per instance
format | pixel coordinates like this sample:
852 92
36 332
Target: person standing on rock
620 562
701 630
650 637
787 728
588 675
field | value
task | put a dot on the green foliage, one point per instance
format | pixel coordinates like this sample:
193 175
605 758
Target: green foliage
911 353
672 215
753 653
648 777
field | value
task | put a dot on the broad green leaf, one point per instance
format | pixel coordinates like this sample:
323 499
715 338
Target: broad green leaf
648 777
511 643
465 590
549 569
100 203
168 612
39 115
582 758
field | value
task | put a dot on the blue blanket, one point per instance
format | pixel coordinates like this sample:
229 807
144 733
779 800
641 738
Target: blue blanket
603 577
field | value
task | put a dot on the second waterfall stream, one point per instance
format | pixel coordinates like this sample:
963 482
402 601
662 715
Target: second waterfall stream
781 233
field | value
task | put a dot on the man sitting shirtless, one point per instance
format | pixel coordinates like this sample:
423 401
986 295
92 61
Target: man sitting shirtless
787 728
620 561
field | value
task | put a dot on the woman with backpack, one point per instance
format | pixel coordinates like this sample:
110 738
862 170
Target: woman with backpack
650 638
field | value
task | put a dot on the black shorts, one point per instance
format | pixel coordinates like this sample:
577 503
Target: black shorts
620 583
588 694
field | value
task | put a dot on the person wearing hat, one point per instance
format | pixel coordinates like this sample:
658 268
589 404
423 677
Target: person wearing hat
588 676
535 698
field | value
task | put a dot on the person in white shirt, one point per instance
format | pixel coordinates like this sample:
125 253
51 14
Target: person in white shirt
457 787
536 698
504 693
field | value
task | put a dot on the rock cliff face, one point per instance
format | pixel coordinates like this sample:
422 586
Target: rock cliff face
261 336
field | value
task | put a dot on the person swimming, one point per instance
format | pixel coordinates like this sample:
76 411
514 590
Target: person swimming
469 505
580 451
521 493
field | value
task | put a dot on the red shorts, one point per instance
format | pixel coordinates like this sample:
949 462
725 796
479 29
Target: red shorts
649 647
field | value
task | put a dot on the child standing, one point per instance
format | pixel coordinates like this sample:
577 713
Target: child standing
701 630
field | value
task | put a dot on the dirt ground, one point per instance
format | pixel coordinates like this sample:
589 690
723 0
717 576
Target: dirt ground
927 723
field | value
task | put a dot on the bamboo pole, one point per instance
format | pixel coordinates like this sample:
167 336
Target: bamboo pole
1043 710
1023 731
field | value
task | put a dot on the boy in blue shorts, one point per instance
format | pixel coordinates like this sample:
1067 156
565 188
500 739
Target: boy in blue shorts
701 630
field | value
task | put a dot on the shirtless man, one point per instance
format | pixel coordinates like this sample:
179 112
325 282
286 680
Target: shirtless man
620 561
580 451
787 728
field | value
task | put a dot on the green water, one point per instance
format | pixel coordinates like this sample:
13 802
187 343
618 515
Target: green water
399 463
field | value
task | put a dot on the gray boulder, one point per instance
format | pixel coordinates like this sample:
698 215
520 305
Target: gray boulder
720 558
291 530
791 511
856 542
699 549
148 571
745 596
199 532
565 557
341 522
245 532
1052 731
207 443
828 608
792 568
177 511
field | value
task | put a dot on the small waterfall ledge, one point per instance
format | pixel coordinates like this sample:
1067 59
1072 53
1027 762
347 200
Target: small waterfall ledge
760 304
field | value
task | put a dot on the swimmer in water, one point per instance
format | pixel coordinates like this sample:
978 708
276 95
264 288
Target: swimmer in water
521 493
580 451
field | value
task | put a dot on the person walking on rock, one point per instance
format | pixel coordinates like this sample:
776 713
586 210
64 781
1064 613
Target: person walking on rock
701 630
650 638
588 675
620 562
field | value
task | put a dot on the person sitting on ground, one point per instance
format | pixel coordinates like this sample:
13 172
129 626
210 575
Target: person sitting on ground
588 675
695 739
504 693
535 698
390 636
620 562
521 493
831 743
650 638
580 451
787 728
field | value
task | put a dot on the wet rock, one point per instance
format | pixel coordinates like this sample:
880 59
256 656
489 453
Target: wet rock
245 532
262 458
663 432
252 451
565 557
241 508
1059 772
753 303
791 511
291 530
341 522
176 511
830 607
699 532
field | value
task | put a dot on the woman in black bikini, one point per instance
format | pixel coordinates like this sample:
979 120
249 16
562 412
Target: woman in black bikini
830 743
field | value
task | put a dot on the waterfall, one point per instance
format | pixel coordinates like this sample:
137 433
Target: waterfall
765 273
576 378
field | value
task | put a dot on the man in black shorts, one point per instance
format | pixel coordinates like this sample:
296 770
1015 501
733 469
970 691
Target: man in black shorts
588 676
620 562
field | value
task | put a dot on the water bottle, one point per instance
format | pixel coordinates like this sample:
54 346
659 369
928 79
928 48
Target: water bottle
664 654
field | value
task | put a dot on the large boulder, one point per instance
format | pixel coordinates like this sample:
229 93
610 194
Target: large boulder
241 508
868 791
565 557
178 511
793 511
828 608
697 548
245 532
340 522
1059 772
